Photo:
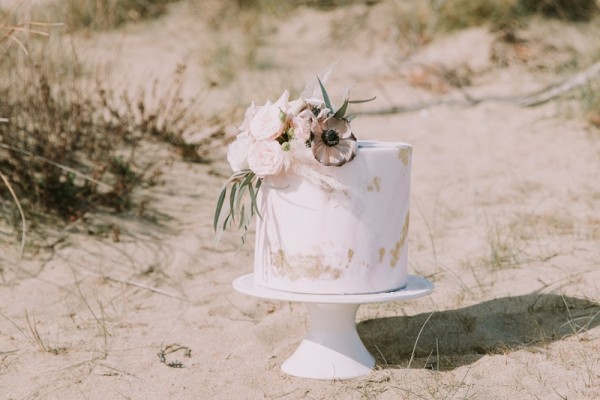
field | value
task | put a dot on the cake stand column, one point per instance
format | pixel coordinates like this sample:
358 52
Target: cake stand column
331 348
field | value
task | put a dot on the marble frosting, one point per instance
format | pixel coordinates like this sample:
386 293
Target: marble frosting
311 240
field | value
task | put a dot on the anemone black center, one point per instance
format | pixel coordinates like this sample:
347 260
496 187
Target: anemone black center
330 138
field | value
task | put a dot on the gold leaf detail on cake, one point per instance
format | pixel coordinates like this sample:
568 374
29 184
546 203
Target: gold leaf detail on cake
381 254
350 255
303 266
395 252
278 261
404 155
375 186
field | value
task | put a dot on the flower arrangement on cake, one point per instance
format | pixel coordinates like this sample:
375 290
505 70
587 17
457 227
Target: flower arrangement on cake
302 137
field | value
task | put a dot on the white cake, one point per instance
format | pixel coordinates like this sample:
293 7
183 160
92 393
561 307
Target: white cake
310 240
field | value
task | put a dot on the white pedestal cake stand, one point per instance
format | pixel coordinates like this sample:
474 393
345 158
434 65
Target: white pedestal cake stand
332 348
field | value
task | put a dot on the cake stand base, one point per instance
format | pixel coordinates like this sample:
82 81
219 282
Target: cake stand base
332 348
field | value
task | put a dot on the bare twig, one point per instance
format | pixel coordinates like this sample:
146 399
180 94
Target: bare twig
558 89
18 42
119 370
142 286
412 355
35 334
101 321
57 165
27 30
21 212
16 326
152 289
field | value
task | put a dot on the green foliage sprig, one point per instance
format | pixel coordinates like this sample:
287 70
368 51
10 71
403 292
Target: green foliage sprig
340 113
243 188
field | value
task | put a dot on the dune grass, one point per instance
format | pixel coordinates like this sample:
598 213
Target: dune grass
70 144
103 15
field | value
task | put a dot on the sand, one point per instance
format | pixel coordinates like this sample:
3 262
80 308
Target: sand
505 220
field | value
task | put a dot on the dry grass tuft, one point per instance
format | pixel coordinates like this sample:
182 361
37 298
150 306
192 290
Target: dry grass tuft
570 10
104 15
504 249
590 101
417 23
68 145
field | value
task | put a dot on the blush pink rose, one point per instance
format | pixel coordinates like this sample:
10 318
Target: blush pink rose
302 125
265 158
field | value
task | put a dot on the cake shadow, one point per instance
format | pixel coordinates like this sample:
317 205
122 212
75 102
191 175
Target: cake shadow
453 338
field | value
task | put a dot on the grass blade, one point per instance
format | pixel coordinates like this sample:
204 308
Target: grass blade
325 95
21 212
342 110
362 101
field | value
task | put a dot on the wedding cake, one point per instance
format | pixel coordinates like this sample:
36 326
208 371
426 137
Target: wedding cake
331 211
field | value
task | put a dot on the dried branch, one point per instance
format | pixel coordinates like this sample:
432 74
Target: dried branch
528 100
57 165
141 286
557 89
21 212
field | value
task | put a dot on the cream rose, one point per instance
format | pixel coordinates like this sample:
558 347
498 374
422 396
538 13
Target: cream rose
282 102
267 123
250 112
237 153
265 158
295 107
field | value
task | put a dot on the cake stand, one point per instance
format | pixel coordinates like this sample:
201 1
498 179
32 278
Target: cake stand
332 348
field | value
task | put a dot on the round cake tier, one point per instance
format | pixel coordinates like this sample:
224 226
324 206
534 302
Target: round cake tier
351 241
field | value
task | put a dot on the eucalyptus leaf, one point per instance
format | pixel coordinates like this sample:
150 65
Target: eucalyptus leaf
240 196
253 194
249 178
220 202
226 223
232 200
242 218
242 206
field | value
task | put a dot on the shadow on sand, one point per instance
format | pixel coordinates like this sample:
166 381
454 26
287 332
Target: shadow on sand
453 338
